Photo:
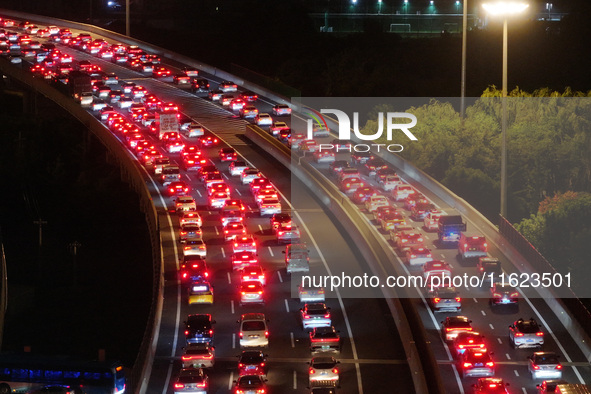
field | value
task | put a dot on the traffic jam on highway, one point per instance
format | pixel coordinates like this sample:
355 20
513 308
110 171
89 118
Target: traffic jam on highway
495 342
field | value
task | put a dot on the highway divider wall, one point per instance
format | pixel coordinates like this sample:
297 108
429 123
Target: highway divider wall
375 251
131 173
419 179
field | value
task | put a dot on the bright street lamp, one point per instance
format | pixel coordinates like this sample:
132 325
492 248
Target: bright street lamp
504 9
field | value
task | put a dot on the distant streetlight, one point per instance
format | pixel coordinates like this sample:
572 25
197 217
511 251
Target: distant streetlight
354 1
379 6
549 8
504 9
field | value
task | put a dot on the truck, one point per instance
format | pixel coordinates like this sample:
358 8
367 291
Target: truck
164 123
571 388
78 84
297 258
450 227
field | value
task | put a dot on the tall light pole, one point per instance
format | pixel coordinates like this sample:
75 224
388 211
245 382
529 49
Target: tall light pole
127 17
504 9
464 42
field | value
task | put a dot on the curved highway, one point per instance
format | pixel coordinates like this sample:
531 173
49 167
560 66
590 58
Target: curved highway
372 353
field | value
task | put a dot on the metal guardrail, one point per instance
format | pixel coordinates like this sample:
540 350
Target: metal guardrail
375 251
132 174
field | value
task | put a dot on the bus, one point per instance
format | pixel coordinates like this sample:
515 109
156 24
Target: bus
26 372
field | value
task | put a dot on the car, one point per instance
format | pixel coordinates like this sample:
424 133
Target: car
311 294
361 157
436 268
159 164
382 211
295 139
402 191
194 246
204 171
490 268
490 386
279 219
218 200
468 340
420 210
475 363
178 188
227 154
230 214
308 146
250 384
193 130
431 220
503 294
253 331
54 389
148 157
351 184
236 167
263 119
281 110
192 162
244 243
348 172
253 271
193 269
248 111
233 230
384 172
549 386
325 339
315 315
190 72
256 184
160 72
472 246
252 362
526 333
269 206
362 194
213 178
249 96
320 130
185 203
445 299
198 355
248 175
200 293
323 372
277 126
237 104
409 239
413 199
181 79
324 156
226 99
200 85
389 182
453 325
191 217
544 365
251 293
110 78
191 380
169 174
375 201
199 328
389 221
288 233
207 141
417 255
228 86
215 95
242 260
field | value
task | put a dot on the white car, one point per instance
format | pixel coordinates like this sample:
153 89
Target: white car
237 167
198 355
254 331
185 203
389 182
244 243
191 217
194 130
545 365
323 372
263 119
194 247
269 206
248 175
431 220
374 202
125 102
315 315
281 110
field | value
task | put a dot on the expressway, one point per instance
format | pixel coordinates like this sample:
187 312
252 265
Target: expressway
365 361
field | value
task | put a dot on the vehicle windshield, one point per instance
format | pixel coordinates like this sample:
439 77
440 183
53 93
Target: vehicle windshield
253 326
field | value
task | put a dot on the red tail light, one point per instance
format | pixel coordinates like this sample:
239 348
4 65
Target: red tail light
558 366
490 364
335 370
467 365
458 299
186 332
326 316
496 295
518 334
266 334
539 334
436 300
312 371
179 385
536 367
210 332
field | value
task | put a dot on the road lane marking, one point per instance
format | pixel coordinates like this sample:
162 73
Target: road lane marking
238 192
232 306
295 380
286 305
516 373
233 340
231 381
280 277
524 390
225 176
223 252
507 355
475 300
217 232
500 341
491 326
292 340
189 178
271 252
198 192
261 228
483 312
229 278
